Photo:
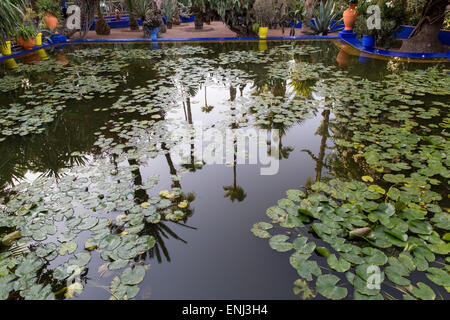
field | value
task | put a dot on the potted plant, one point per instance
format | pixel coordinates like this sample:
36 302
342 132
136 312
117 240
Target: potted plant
350 15
26 37
49 10
368 35
10 17
264 14
168 8
151 24
295 16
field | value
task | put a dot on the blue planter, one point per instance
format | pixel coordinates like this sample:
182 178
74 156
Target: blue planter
368 42
154 33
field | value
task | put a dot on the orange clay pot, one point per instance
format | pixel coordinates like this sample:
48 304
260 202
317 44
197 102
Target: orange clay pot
350 16
27 44
50 21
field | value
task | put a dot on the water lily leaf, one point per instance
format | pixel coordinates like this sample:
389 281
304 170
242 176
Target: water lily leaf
260 230
280 244
420 227
326 286
275 213
80 259
306 269
340 265
301 287
423 292
67 248
439 276
132 276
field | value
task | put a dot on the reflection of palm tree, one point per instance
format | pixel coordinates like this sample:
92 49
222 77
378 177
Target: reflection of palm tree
303 87
207 108
235 192
322 131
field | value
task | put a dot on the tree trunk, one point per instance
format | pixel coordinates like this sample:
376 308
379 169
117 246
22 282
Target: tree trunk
309 8
134 25
198 21
424 38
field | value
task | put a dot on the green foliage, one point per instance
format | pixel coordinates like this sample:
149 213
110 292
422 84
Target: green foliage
26 32
393 15
10 18
168 8
264 11
324 17
48 6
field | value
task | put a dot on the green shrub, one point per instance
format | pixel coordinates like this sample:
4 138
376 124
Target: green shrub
48 6
26 32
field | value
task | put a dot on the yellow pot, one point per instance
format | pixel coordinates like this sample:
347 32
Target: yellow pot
42 54
39 39
263 32
6 48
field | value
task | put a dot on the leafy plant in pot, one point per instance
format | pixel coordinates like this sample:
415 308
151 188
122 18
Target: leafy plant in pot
265 14
26 37
10 17
49 11
361 28
168 8
151 24
295 15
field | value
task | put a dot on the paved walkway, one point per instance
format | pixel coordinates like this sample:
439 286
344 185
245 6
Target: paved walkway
216 29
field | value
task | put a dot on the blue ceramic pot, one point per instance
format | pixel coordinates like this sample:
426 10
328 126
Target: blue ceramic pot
154 33
368 42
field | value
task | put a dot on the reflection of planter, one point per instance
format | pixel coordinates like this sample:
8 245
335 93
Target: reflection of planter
50 21
11 64
42 54
61 57
343 57
263 32
262 45
6 48
350 16
368 42
153 33
364 58
31 58
27 44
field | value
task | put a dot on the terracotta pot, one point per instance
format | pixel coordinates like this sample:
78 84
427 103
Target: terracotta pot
350 16
50 21
27 44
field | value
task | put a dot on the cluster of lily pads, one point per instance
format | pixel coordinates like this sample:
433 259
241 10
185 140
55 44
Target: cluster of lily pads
384 221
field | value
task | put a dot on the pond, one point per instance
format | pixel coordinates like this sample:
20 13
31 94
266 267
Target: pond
339 189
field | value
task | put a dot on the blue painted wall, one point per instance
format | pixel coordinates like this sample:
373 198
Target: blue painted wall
405 31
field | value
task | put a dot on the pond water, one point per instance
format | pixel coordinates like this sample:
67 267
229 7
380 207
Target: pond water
91 173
